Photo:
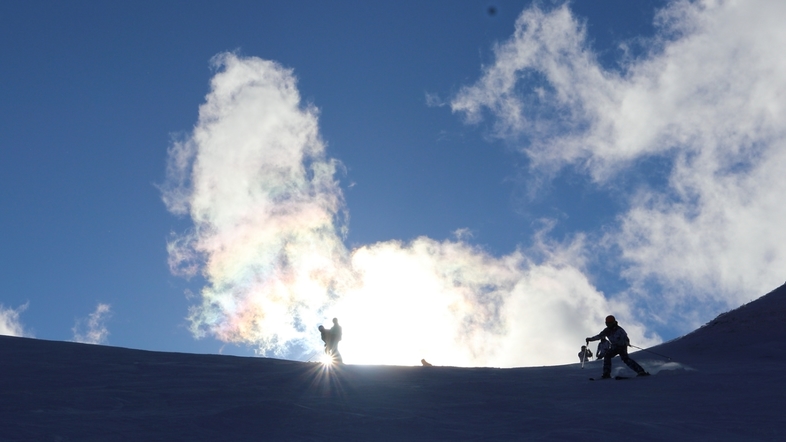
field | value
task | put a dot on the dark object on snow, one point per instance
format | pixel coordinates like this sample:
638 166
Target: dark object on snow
620 378
640 375
425 363
619 346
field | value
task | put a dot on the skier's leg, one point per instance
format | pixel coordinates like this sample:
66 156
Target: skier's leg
630 362
607 362
337 355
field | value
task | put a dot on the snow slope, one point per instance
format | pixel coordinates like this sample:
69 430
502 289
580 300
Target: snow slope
723 383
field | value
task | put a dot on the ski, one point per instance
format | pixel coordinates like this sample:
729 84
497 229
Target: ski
619 378
616 378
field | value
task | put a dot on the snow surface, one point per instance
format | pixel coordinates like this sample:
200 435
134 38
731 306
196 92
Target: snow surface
724 382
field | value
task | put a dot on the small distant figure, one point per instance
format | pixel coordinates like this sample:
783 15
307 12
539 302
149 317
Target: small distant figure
585 354
332 344
603 347
619 346
325 334
425 363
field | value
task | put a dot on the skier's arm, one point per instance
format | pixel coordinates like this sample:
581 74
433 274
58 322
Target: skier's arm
597 337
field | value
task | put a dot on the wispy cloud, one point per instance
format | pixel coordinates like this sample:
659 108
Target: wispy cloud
10 325
707 99
463 233
434 100
92 329
269 218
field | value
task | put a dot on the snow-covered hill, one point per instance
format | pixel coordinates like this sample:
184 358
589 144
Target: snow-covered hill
723 382
756 330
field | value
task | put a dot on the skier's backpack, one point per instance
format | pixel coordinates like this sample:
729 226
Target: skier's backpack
603 347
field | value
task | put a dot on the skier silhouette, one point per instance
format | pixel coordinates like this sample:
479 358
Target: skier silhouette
603 347
325 334
619 346
585 354
332 343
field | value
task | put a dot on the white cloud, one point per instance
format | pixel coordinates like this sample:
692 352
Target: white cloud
709 99
267 236
265 205
454 304
92 330
10 325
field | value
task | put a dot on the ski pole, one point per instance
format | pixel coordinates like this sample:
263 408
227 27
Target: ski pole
583 357
650 351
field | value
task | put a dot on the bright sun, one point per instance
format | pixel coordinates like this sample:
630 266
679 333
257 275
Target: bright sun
326 359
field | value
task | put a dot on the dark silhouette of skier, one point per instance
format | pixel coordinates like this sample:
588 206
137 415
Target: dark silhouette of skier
619 346
332 343
325 334
585 354
603 347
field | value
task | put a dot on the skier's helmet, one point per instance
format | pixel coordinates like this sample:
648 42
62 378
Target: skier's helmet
610 320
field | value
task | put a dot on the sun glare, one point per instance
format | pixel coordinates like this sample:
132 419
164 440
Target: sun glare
326 360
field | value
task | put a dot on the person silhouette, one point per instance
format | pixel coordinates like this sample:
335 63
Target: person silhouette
603 346
325 334
335 333
585 354
619 346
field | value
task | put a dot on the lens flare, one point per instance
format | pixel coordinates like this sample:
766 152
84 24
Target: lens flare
327 360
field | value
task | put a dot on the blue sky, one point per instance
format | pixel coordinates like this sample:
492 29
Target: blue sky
629 166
